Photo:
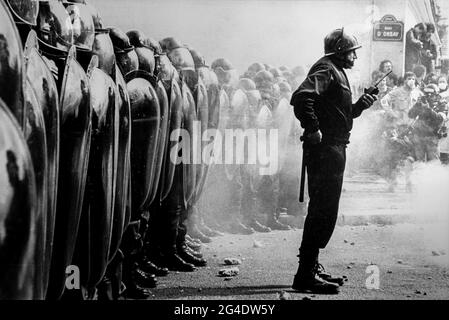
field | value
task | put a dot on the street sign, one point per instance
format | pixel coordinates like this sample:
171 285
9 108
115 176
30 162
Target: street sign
388 29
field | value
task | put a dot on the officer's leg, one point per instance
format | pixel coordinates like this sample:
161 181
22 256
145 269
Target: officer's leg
237 197
131 244
248 208
181 244
325 171
171 212
268 195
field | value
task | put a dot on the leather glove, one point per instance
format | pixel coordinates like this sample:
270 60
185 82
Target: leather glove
366 101
313 138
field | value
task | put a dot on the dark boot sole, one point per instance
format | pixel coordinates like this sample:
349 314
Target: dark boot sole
315 291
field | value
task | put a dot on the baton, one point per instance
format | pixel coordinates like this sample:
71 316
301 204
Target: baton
303 172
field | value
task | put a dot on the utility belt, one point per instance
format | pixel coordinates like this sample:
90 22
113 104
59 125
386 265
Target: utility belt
336 139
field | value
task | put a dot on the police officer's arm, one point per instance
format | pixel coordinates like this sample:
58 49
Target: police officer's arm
364 102
303 99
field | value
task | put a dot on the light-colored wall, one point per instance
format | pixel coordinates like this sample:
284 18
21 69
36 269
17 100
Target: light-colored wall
394 51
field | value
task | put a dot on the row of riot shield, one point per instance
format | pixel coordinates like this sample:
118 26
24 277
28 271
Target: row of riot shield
65 145
84 150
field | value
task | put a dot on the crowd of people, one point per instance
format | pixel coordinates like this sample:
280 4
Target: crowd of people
408 123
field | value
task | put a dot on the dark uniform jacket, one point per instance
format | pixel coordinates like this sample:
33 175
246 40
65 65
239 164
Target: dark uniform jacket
324 101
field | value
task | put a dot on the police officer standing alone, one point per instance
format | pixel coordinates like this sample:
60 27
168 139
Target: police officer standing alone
323 104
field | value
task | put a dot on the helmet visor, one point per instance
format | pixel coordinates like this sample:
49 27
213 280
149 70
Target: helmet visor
25 10
54 25
83 26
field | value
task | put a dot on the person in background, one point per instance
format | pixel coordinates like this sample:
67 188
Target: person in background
395 147
384 67
384 89
413 46
431 77
443 86
443 143
420 74
399 100
429 114
429 51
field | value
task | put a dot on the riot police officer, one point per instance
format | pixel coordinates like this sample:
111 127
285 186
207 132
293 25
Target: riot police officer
323 104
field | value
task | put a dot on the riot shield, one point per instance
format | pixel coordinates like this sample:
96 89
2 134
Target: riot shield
123 163
283 121
18 210
202 109
213 95
102 174
146 117
75 113
189 150
163 136
172 147
237 118
264 120
11 65
225 110
45 90
34 132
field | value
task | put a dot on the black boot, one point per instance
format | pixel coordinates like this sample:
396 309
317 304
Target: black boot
321 272
237 227
189 258
194 253
143 279
274 224
196 233
257 226
149 267
175 263
306 279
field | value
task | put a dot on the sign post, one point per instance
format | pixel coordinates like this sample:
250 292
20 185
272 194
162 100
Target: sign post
388 29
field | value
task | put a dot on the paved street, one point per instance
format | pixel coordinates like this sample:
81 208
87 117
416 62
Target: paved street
376 228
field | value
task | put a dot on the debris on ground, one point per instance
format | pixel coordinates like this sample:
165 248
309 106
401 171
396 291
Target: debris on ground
348 267
400 262
389 271
232 261
228 272
283 295
352 243
257 244
435 254
345 241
